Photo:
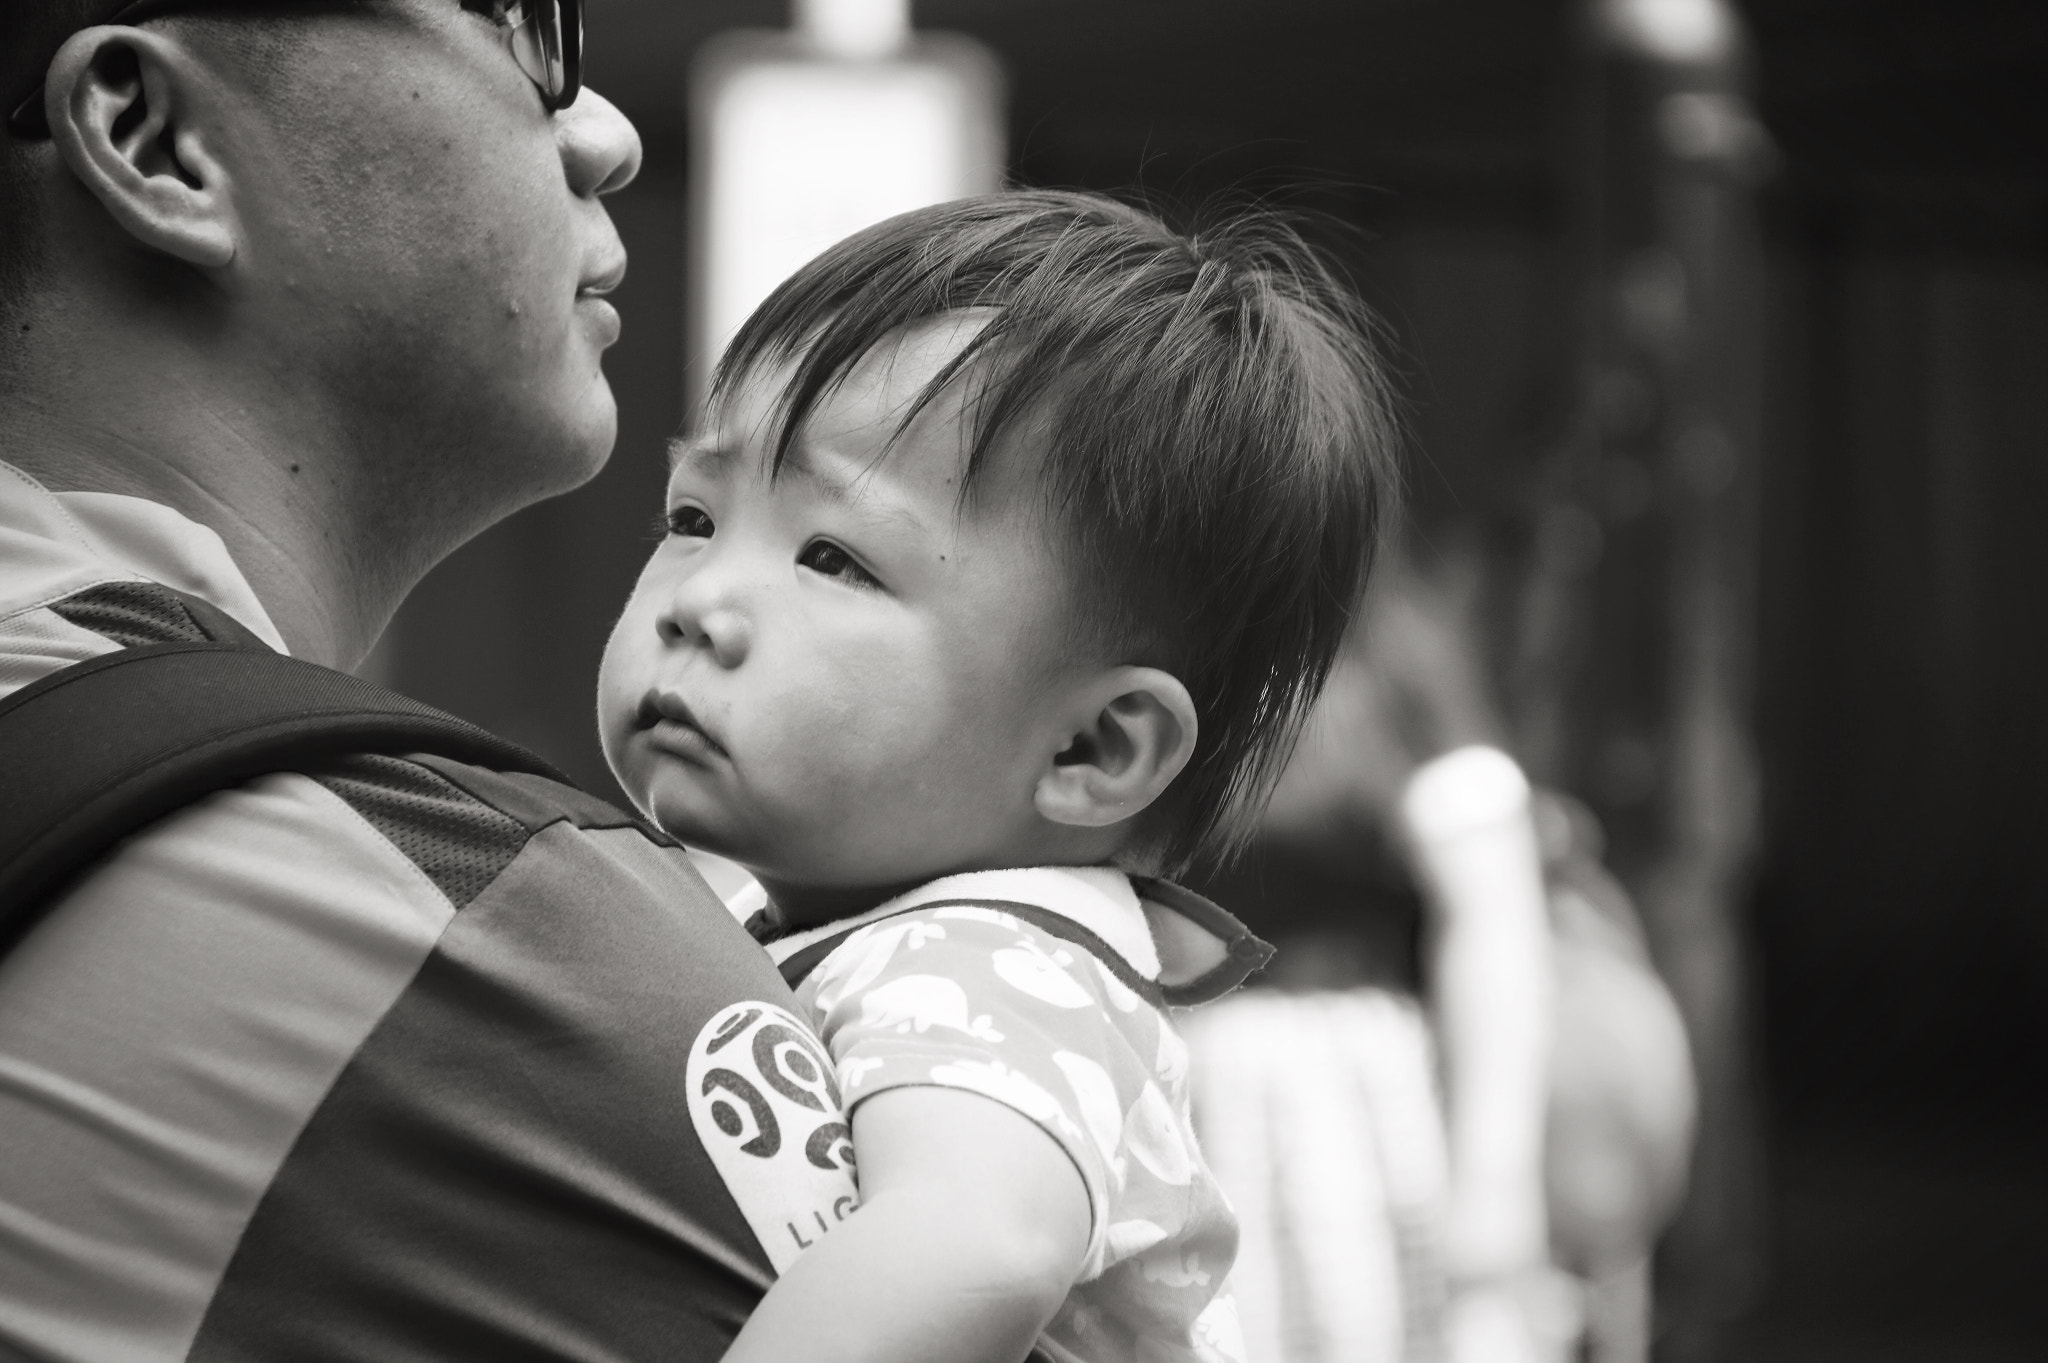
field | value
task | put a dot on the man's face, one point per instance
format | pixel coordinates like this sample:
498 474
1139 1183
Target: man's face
425 247
842 678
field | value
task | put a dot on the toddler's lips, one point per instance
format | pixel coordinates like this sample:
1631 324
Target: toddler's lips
669 722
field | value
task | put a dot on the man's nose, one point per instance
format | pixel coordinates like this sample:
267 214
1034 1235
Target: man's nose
600 148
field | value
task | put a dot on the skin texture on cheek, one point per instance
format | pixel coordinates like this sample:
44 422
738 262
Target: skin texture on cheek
904 766
866 750
426 255
919 758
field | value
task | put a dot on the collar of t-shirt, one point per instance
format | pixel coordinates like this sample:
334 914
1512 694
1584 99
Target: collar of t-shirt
1166 935
55 544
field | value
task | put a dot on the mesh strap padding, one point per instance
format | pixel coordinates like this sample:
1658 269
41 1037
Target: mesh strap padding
99 750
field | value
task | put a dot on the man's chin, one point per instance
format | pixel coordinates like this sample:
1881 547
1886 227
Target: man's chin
581 445
597 433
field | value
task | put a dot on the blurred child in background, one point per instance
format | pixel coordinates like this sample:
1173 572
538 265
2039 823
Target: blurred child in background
1469 1078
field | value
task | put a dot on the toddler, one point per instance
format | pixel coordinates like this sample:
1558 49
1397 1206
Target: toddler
1020 533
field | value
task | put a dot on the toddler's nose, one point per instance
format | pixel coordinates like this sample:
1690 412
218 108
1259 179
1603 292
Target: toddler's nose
722 630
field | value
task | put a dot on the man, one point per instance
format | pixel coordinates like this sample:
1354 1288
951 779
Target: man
393 1058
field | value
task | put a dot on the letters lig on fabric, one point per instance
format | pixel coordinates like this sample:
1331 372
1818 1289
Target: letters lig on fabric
766 1105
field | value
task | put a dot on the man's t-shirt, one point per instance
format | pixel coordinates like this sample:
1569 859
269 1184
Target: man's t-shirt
386 1060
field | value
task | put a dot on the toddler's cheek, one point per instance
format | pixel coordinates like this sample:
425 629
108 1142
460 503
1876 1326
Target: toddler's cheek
615 723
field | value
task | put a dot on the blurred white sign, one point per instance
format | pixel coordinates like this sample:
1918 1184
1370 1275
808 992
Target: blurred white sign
795 149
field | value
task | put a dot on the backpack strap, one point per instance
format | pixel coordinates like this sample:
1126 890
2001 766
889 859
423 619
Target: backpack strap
798 965
98 750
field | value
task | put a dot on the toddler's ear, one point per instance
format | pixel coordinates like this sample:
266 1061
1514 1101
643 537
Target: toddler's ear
1134 731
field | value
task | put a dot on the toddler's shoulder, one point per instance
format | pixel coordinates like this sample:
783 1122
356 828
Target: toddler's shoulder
1001 957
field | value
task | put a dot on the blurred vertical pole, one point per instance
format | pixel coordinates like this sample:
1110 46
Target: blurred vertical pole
1665 159
805 136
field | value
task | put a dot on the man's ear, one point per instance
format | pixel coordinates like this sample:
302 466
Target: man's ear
1134 731
121 105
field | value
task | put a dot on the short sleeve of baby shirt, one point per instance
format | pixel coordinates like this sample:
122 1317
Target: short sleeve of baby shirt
972 998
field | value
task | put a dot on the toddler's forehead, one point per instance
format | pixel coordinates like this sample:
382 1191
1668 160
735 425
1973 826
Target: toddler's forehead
885 407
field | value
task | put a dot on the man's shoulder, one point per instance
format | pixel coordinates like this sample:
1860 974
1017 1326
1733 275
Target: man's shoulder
385 992
462 824
520 1104
458 823
393 992
45 634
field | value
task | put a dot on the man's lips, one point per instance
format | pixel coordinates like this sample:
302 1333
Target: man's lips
591 292
667 719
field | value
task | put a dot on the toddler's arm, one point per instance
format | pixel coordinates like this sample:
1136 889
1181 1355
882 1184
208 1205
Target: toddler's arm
971 1229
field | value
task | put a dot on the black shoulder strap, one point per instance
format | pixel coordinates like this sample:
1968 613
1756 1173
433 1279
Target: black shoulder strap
98 750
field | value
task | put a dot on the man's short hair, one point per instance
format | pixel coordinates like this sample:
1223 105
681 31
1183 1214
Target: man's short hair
1217 436
31 31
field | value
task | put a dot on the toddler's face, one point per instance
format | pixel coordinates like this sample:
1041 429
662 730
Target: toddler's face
841 678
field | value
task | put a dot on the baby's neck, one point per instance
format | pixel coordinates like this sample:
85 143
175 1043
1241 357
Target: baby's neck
800 905
807 906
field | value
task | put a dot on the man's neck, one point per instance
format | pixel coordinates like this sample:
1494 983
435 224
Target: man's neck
229 464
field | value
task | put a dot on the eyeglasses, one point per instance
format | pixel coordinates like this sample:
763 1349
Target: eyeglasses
545 38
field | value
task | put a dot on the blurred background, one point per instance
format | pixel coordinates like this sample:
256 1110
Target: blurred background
1726 350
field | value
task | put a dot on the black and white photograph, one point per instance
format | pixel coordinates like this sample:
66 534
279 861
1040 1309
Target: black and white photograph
1023 681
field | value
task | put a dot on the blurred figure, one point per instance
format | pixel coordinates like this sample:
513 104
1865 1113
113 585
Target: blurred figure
1621 1096
1468 1084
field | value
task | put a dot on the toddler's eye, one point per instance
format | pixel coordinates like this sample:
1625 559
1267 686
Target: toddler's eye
691 522
823 556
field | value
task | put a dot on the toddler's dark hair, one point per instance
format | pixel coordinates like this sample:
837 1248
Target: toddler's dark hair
1217 432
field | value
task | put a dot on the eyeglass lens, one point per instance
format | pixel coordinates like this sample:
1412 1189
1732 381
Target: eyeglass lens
545 48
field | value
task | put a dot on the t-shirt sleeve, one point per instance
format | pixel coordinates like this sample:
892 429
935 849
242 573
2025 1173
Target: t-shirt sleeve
972 998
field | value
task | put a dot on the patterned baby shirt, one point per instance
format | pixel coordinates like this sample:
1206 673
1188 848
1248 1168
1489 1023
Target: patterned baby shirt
1046 989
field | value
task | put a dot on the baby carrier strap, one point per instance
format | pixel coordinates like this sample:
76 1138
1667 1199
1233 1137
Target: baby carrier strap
799 964
98 750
